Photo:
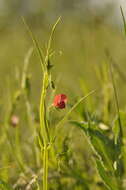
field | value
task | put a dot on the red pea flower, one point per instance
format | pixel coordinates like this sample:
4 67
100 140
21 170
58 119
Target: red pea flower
60 101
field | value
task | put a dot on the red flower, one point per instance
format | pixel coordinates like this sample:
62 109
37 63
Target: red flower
60 101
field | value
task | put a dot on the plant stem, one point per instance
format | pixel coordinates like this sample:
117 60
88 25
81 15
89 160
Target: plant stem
45 168
43 126
44 131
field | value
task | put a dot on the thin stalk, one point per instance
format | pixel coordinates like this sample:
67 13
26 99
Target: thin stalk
45 168
50 40
74 106
25 68
120 137
44 128
116 100
124 21
44 131
115 92
35 42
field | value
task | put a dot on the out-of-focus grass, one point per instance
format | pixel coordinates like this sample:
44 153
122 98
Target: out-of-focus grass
79 52
79 48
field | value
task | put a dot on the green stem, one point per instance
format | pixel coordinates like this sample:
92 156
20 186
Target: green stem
43 124
44 131
45 168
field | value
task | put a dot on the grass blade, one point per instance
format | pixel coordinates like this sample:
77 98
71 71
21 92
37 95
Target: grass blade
35 42
124 20
74 106
116 100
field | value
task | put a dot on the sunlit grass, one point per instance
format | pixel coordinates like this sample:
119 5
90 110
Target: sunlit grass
40 146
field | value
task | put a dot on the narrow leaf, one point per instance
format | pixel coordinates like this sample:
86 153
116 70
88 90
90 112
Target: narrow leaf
74 106
106 177
35 42
124 20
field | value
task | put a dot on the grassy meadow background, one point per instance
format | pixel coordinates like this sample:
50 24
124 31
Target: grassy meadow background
80 42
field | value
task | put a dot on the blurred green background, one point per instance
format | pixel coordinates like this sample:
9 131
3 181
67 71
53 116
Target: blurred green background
85 31
81 39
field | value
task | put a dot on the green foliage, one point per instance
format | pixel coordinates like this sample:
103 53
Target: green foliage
109 152
5 186
44 142
105 150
